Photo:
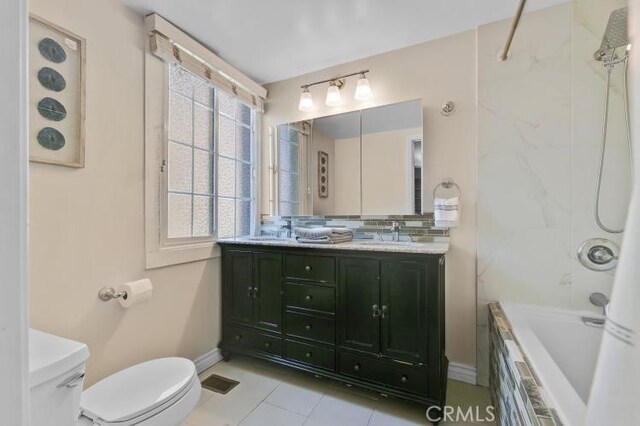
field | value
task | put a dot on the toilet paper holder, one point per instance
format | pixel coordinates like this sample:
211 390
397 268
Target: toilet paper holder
108 293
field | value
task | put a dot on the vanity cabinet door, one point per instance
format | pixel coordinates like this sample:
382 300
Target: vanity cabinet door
238 283
359 304
268 291
404 309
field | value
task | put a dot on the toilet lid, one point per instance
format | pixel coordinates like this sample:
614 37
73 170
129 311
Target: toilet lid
136 390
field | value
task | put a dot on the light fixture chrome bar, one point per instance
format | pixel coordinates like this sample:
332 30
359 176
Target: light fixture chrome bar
514 25
306 86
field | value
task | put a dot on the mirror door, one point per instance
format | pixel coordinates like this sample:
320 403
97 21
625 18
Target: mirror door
391 155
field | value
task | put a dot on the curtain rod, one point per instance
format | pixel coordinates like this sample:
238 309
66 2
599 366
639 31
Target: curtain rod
514 25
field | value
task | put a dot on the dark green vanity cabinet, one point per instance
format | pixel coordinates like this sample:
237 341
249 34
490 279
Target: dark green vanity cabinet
370 319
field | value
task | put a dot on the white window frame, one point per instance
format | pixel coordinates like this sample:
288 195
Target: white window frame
164 196
160 250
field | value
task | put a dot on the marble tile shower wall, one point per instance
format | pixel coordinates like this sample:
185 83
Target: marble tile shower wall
364 227
539 118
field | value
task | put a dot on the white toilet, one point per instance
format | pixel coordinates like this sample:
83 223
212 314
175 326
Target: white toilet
161 392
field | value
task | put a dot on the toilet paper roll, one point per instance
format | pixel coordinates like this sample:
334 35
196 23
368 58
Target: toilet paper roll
137 292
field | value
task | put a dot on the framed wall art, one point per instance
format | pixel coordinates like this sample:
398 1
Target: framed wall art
57 94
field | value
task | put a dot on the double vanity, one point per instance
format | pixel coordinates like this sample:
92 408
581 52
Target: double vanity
367 313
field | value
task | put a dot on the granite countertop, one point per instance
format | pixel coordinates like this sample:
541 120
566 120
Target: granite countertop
358 245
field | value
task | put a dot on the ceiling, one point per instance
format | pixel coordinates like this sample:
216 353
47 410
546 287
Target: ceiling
398 116
273 40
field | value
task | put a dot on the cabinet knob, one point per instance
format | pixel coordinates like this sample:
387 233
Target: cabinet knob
267 344
307 327
357 367
307 268
308 298
250 291
238 336
309 354
375 311
404 379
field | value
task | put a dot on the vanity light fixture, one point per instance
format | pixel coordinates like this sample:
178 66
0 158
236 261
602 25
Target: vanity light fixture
306 101
363 89
334 96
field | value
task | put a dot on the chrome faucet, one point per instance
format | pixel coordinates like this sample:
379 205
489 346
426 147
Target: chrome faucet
286 228
597 299
395 228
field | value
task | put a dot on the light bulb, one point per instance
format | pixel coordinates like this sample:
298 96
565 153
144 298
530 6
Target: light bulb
363 89
306 101
333 95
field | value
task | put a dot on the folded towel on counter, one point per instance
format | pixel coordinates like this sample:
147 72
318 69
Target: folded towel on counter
321 232
325 240
323 235
446 212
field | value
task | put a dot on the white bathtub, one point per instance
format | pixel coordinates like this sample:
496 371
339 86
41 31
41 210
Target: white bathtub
562 351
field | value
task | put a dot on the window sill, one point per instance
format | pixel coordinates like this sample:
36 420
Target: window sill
177 255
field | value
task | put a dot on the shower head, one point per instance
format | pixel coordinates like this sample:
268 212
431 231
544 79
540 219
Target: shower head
615 35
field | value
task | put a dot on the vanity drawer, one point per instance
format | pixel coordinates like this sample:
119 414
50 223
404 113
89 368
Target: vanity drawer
362 367
411 379
310 327
316 298
269 344
310 354
239 336
252 339
312 268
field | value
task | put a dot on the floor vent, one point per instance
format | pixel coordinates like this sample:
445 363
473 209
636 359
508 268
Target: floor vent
219 384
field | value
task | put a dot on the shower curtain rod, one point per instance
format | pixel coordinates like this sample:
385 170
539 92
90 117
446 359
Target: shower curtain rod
514 25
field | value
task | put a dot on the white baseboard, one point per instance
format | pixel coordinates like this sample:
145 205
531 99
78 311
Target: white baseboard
207 360
462 373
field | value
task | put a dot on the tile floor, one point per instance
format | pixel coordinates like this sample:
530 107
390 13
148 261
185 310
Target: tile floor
273 395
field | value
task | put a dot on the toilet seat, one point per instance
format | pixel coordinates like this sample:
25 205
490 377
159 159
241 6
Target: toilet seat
139 392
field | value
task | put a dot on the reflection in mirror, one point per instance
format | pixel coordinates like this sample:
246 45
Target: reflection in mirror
336 139
367 162
392 159
291 153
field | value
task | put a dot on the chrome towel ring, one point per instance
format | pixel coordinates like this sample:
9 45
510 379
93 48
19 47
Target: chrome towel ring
447 183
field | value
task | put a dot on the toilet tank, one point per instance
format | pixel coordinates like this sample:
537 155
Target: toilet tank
56 377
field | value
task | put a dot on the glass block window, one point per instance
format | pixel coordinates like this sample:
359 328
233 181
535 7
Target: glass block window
209 160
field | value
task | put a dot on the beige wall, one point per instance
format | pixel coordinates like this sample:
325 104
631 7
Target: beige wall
435 71
87 225
346 182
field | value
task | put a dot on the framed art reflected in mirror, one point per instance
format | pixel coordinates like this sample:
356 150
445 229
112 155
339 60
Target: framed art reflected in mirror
323 174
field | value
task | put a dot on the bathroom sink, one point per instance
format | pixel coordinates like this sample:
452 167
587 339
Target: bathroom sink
268 238
389 243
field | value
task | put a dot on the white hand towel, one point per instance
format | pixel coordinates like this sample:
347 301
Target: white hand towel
446 212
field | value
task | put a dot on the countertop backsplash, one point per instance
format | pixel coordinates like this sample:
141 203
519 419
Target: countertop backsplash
414 227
